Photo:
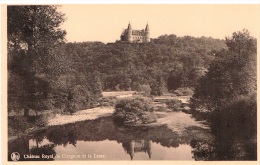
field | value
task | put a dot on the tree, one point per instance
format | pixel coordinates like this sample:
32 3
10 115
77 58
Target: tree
74 86
159 87
241 43
231 75
176 78
195 74
226 95
33 31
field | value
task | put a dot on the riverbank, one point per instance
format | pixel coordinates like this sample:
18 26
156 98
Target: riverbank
59 119
53 118
178 121
88 114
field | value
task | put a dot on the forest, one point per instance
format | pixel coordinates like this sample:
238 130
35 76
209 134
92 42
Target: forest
166 64
55 74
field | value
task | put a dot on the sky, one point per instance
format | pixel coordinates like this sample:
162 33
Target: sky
105 22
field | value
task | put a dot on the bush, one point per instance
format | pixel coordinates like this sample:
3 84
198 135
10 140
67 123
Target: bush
133 111
21 124
39 120
107 101
145 89
183 91
175 104
148 117
161 109
17 124
237 118
70 107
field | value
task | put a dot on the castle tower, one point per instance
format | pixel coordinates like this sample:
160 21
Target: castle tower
135 36
129 33
147 33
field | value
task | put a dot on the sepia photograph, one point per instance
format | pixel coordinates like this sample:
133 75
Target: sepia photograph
95 82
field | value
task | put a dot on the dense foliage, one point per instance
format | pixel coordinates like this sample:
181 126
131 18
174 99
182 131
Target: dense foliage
174 104
227 92
168 62
133 111
33 31
40 76
44 72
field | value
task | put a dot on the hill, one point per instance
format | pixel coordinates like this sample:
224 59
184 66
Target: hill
167 61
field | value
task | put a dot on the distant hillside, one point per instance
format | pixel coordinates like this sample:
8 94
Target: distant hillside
166 62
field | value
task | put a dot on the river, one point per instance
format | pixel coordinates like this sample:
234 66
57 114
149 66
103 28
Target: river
176 136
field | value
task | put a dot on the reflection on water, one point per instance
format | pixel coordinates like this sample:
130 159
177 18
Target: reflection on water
101 140
137 146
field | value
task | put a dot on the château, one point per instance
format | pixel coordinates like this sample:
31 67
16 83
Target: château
135 36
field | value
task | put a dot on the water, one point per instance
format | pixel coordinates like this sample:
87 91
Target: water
176 136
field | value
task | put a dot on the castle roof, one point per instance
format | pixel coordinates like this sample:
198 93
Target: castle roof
129 26
138 32
147 27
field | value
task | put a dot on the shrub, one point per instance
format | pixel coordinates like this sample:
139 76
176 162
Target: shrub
144 89
17 124
133 111
107 101
70 107
39 120
239 117
148 117
175 104
183 91
161 109
117 87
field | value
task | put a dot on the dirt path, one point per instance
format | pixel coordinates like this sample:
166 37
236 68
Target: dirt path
118 94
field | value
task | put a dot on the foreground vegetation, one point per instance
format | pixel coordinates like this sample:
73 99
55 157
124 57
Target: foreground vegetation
226 95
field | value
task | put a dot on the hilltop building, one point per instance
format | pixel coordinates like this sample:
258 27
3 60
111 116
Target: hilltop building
136 36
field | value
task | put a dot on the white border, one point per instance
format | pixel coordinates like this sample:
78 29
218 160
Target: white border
13 2
130 2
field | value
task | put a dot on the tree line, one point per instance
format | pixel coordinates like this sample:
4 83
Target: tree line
37 79
45 72
226 95
125 66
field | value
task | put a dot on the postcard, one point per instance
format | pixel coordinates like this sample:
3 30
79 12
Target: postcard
130 83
